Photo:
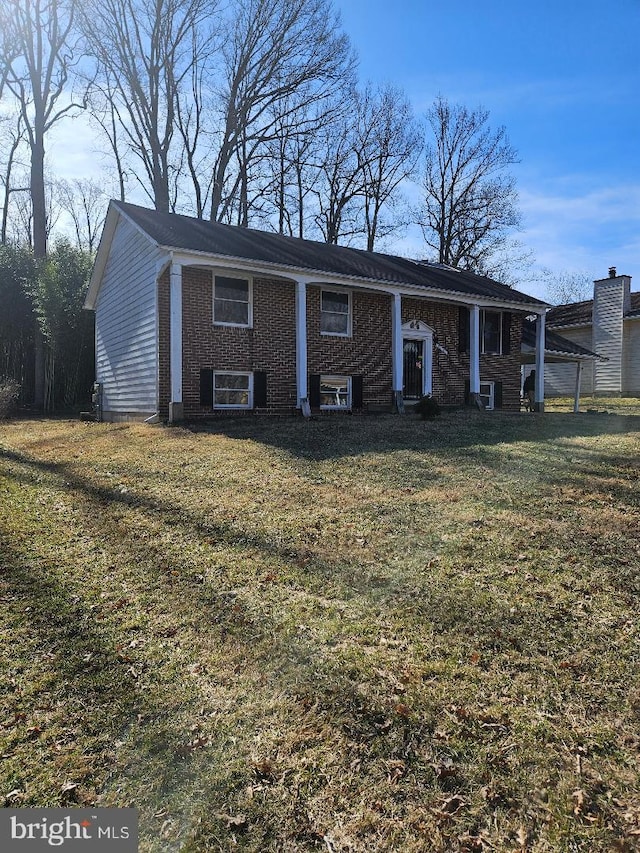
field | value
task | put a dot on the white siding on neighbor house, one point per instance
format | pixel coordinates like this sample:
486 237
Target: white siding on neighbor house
560 377
609 296
126 325
631 359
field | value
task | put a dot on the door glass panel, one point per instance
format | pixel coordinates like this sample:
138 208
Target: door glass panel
413 368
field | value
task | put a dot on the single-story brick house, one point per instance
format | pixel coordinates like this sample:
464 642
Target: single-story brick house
195 318
608 324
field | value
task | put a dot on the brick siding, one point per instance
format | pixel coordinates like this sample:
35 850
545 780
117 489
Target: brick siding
270 346
366 352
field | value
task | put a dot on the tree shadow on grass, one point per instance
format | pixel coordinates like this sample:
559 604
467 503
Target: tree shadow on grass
326 437
290 668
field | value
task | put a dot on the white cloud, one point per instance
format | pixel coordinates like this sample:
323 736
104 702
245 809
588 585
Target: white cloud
589 230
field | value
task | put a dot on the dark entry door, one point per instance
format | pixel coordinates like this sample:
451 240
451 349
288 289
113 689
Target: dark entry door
412 359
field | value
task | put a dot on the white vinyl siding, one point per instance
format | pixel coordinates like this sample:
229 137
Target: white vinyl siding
631 359
608 309
560 377
126 325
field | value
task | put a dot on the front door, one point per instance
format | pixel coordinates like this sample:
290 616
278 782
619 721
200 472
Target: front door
413 365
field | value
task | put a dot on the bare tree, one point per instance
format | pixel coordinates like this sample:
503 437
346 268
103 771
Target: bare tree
12 137
470 198
340 187
146 50
276 48
85 203
290 163
40 38
390 147
104 111
565 286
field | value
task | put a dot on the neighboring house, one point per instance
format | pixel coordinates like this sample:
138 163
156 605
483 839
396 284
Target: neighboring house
559 352
609 325
195 318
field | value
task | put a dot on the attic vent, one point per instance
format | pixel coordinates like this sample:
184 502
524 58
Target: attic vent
612 272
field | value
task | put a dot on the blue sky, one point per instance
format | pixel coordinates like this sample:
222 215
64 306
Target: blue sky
563 77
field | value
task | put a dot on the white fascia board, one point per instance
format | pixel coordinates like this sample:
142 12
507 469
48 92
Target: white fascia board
323 278
102 255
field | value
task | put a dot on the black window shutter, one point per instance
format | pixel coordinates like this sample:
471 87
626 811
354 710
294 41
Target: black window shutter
356 392
497 395
314 390
259 389
206 388
463 329
506 332
467 391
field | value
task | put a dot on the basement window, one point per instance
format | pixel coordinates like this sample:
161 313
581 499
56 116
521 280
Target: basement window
487 394
335 392
232 390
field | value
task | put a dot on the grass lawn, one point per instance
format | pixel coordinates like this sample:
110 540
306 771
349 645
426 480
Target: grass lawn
352 634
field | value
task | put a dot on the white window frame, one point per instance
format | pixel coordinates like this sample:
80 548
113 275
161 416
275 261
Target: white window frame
483 314
349 313
247 373
339 377
239 277
488 393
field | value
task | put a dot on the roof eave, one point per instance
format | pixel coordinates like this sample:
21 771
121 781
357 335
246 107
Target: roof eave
323 277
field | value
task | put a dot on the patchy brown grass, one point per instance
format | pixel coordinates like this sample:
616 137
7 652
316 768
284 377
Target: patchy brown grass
353 634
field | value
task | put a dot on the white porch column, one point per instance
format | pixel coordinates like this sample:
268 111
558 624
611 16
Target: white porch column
474 353
301 347
538 404
576 399
176 408
396 352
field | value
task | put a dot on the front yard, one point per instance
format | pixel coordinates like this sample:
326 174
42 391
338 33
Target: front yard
353 634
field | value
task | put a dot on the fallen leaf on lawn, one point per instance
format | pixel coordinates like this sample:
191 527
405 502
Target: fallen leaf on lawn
16 794
452 805
236 821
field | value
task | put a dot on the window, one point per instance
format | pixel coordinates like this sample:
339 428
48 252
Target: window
335 312
231 301
491 332
232 390
335 392
487 394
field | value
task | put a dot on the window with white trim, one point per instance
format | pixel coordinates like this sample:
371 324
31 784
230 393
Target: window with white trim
335 312
232 390
232 301
487 394
491 332
335 392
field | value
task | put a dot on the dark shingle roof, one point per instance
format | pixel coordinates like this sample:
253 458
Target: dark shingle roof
175 231
581 313
554 343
